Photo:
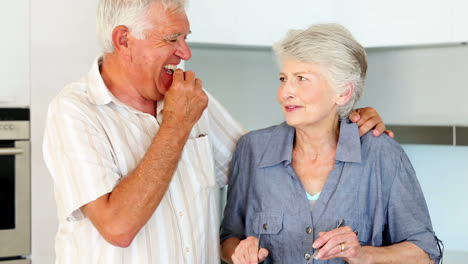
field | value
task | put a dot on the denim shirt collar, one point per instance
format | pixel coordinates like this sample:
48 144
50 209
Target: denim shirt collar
280 145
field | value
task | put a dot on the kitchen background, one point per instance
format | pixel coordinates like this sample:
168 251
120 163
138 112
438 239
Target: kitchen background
418 75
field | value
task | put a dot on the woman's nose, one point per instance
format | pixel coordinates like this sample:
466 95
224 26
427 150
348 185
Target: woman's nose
288 90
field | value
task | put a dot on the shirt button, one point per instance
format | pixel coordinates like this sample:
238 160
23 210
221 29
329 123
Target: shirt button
309 230
265 226
187 249
180 213
307 256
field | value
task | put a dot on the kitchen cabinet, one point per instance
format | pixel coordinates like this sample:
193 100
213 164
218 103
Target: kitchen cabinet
251 23
460 21
14 53
396 23
375 23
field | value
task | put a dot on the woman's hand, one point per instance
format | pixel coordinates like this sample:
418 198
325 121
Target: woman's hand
248 252
367 119
340 243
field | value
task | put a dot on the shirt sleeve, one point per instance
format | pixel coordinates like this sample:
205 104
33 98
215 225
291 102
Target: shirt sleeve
408 215
224 133
233 224
79 157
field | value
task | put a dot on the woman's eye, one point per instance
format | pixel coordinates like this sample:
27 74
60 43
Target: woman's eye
282 79
301 78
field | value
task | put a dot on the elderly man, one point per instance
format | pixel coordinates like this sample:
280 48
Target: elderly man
137 149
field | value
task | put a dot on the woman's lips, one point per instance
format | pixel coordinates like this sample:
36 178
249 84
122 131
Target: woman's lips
292 108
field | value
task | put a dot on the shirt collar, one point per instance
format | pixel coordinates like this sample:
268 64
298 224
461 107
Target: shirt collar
99 94
349 142
279 147
97 91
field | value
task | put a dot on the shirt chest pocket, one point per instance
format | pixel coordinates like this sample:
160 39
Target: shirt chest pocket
268 223
363 230
197 162
267 227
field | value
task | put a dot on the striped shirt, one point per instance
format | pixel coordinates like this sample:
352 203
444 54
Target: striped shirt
92 141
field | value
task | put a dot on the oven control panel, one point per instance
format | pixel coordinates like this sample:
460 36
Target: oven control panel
14 123
7 126
14 130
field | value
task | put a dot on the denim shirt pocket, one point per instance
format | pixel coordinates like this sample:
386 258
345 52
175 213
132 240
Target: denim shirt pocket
363 230
267 226
268 223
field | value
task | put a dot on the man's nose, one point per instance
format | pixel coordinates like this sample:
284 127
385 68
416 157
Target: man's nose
183 50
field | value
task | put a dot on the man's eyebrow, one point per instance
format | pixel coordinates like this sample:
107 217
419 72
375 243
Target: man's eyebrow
176 35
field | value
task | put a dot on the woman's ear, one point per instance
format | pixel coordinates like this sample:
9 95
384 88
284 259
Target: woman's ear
120 39
345 96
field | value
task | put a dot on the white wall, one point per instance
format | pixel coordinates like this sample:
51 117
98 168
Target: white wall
63 45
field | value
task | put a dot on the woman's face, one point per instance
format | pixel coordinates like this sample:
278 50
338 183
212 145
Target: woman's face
305 94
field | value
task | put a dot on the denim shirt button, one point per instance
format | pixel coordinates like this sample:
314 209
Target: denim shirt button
309 230
265 226
307 256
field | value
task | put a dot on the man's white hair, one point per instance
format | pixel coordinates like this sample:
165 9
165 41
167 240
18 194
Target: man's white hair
129 13
333 47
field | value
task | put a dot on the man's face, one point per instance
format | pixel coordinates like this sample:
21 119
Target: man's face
164 47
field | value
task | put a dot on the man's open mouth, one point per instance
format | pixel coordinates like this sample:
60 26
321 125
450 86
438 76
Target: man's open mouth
170 68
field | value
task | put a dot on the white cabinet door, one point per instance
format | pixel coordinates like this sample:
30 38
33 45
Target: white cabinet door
375 23
395 23
255 23
14 53
460 21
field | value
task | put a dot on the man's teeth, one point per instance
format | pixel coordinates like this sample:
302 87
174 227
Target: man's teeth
170 68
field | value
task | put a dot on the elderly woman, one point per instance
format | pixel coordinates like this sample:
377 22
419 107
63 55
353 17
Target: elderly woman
313 190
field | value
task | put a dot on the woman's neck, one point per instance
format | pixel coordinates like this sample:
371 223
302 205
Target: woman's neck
317 142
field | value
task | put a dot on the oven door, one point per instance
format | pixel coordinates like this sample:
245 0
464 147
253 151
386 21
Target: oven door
15 204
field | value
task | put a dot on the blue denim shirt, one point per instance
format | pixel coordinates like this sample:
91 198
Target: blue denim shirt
373 187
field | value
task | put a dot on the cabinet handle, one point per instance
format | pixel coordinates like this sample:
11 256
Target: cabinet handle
10 151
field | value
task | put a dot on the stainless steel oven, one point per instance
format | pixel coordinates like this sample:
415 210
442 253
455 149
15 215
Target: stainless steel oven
15 204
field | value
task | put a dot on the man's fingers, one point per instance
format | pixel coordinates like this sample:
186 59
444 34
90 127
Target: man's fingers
354 116
198 84
379 129
178 75
367 125
390 133
189 76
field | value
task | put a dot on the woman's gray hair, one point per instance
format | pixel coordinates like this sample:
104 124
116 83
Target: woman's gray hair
333 47
129 13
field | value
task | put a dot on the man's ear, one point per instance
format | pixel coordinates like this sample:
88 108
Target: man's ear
120 39
345 96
